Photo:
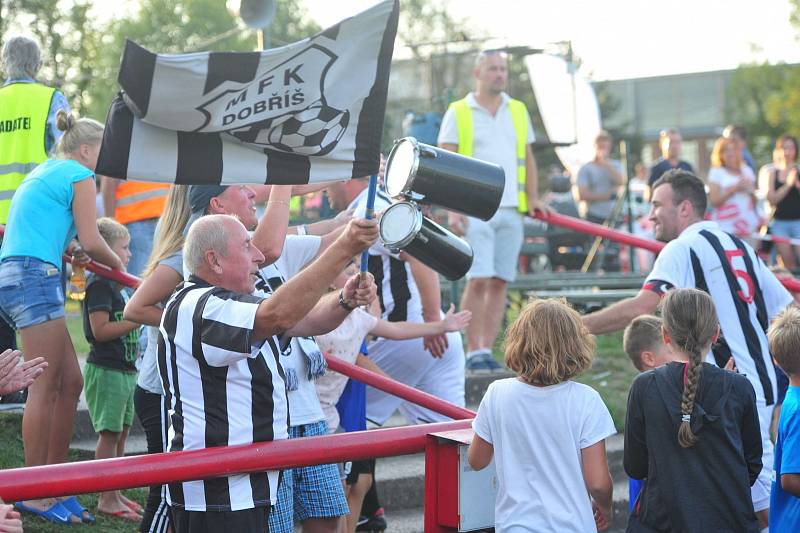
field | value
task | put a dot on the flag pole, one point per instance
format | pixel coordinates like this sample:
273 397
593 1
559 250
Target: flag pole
369 215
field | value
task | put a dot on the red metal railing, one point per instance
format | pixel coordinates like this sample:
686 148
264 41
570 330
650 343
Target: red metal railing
99 268
399 389
624 238
143 470
111 474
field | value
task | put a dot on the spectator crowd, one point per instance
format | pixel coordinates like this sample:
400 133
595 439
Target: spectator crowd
224 340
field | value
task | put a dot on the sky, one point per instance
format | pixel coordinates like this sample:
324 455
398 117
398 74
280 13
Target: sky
619 39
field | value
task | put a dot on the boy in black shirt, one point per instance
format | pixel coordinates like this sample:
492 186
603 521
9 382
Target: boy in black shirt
110 372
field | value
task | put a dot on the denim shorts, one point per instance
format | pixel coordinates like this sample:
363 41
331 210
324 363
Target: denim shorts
30 292
786 228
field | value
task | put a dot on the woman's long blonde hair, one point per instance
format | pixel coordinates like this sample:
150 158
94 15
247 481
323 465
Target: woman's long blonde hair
169 236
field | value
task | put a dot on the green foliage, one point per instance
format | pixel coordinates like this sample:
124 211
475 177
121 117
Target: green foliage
81 57
68 40
764 98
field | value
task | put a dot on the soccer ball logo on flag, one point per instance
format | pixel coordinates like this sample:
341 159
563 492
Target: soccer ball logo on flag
314 131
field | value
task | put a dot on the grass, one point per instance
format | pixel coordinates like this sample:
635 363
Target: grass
11 457
75 327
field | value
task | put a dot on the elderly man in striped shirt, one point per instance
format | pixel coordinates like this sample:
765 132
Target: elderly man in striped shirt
218 357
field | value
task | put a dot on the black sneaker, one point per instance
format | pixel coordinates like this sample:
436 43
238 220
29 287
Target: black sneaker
376 522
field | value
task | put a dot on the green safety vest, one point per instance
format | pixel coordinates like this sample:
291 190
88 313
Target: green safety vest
23 121
519 116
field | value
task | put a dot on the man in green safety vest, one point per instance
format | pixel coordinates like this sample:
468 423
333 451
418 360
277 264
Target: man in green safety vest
487 124
27 128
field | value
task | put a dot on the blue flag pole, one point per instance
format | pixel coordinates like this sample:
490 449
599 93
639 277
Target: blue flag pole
369 215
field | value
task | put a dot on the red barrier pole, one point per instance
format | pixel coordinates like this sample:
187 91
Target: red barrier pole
624 238
155 469
123 278
599 230
99 268
398 389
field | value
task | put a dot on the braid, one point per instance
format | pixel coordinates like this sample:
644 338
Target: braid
686 438
691 322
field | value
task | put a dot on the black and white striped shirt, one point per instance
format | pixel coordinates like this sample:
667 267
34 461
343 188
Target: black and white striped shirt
397 290
746 296
222 389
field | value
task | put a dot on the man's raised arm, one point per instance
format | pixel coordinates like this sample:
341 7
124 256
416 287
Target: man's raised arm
298 296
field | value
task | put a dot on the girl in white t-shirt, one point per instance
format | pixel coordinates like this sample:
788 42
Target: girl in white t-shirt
546 433
344 343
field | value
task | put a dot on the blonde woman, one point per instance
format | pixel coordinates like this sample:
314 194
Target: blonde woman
163 272
54 204
731 190
546 432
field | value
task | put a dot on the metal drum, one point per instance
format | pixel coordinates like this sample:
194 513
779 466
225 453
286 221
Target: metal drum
403 228
430 175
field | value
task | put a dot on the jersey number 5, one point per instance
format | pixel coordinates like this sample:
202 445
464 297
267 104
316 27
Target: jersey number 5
743 275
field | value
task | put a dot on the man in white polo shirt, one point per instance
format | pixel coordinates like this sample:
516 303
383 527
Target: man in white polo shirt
745 293
489 125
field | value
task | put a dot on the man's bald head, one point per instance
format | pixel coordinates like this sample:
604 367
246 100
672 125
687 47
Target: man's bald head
208 232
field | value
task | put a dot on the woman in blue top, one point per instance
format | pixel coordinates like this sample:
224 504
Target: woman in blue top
54 204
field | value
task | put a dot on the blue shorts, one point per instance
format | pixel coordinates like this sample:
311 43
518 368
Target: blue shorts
309 491
785 228
30 292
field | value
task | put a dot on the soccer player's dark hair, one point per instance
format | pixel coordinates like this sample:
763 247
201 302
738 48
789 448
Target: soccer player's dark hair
685 186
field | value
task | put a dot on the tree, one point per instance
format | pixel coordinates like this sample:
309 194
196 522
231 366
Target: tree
765 98
177 26
82 59
68 41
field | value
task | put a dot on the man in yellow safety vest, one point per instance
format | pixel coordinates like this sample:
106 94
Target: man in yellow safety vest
28 129
487 124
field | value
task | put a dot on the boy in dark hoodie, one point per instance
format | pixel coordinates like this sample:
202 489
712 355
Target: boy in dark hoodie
700 447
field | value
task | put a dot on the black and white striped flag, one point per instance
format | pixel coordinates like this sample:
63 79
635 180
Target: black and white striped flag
309 111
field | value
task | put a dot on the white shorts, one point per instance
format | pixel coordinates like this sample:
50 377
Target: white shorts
407 361
496 245
761 489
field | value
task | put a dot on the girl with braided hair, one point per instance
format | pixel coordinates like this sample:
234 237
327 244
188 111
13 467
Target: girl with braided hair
692 430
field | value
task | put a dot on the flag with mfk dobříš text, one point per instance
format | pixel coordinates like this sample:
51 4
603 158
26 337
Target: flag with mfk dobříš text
309 111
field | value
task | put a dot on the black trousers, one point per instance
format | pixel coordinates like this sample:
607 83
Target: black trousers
8 340
8 337
255 520
152 414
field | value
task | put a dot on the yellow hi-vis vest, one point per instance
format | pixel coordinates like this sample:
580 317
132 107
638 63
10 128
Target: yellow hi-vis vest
519 117
23 122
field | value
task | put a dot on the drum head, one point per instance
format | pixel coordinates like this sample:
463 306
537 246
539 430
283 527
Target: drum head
400 224
401 167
